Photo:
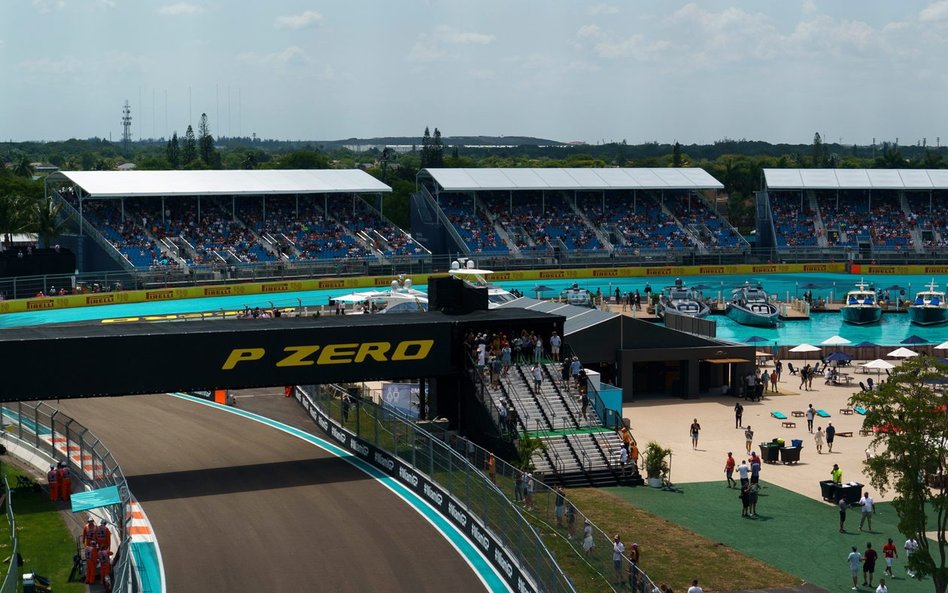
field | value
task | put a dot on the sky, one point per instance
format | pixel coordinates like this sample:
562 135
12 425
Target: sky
567 70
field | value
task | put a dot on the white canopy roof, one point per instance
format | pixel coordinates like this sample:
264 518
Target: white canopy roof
805 348
573 179
106 184
911 179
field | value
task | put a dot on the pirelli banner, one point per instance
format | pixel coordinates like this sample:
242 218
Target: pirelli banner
440 499
63 362
871 270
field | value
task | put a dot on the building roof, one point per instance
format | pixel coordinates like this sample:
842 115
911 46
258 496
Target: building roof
114 184
577 318
573 179
910 179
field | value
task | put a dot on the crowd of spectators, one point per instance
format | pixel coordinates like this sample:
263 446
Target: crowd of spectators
537 220
930 215
794 226
695 212
474 228
638 220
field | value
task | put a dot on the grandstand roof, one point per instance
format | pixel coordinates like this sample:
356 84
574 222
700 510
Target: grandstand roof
573 179
105 184
577 318
911 179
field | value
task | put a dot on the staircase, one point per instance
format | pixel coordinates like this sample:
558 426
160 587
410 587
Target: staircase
603 239
918 243
818 227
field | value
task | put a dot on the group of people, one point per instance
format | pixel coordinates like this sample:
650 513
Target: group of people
97 553
868 558
749 475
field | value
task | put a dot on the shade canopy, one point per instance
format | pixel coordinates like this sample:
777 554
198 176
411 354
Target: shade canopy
913 339
869 345
865 179
902 353
591 178
878 364
838 357
942 346
755 339
805 348
835 341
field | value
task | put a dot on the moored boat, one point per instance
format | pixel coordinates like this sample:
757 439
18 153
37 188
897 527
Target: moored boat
929 307
749 306
681 300
861 306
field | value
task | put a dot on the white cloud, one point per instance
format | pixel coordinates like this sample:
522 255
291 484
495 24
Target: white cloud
937 11
600 9
306 19
809 7
68 65
435 46
179 9
106 3
47 6
292 55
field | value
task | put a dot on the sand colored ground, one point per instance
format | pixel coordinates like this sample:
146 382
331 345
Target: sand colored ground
667 421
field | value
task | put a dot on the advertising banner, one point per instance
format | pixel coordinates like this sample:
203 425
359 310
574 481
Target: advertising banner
401 397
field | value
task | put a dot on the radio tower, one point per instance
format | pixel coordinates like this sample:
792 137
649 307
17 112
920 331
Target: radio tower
126 127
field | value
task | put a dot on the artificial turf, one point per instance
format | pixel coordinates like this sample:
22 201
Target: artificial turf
793 533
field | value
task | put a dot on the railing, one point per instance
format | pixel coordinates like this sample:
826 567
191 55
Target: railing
445 221
11 579
461 466
47 431
93 232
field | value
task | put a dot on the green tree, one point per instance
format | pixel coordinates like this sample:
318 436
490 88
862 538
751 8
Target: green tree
437 150
426 146
304 158
910 456
47 222
206 143
14 215
22 167
676 155
819 153
174 151
189 154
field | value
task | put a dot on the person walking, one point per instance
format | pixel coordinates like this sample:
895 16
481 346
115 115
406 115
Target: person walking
765 379
882 588
492 468
537 378
819 438
854 559
633 567
773 381
830 435
803 376
105 568
810 414
528 486
778 369
555 343
729 464
889 552
745 501
738 415
91 557
755 469
868 564
868 509
103 537
518 485
842 505
559 506
695 429
753 491
88 532
588 543
748 438
911 546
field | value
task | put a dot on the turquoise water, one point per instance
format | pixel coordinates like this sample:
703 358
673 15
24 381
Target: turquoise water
893 329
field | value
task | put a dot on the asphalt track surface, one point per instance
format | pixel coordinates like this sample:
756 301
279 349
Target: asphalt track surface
239 506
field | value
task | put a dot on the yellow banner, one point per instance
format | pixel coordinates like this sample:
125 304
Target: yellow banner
254 288
906 270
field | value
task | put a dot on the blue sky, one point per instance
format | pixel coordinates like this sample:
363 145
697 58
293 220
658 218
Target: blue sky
659 70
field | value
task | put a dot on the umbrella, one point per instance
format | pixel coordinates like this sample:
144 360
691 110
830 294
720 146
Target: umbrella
701 287
810 286
762 354
871 345
755 339
942 346
878 364
838 357
805 348
894 287
902 353
541 288
835 341
913 339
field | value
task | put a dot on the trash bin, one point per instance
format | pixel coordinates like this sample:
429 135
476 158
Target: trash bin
851 492
796 442
790 454
769 452
828 490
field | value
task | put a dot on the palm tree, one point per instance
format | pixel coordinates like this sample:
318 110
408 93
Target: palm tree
47 222
23 167
14 216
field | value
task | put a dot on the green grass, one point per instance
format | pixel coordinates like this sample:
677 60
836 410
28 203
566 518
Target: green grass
46 544
794 533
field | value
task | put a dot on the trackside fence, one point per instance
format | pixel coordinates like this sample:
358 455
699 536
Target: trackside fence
11 579
497 499
46 431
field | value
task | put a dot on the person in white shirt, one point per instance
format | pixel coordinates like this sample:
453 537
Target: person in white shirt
694 588
742 471
868 508
537 378
854 559
882 588
618 553
911 546
555 343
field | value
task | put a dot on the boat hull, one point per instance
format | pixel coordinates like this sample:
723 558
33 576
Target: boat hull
928 315
861 315
745 317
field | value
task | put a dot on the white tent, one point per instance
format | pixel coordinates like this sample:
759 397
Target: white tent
942 346
805 348
878 364
902 353
835 341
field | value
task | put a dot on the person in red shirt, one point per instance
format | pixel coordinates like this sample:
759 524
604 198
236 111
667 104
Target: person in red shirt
65 481
92 558
868 564
889 551
103 537
729 470
88 532
52 477
105 568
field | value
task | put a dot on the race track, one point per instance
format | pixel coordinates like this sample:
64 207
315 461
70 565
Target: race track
239 506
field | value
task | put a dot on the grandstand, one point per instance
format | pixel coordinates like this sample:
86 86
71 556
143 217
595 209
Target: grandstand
866 211
193 220
557 213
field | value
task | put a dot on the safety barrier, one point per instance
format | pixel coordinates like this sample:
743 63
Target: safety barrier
11 579
48 434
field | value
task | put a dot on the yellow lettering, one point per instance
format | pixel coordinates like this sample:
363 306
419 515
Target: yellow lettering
412 350
337 354
242 355
375 350
298 358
